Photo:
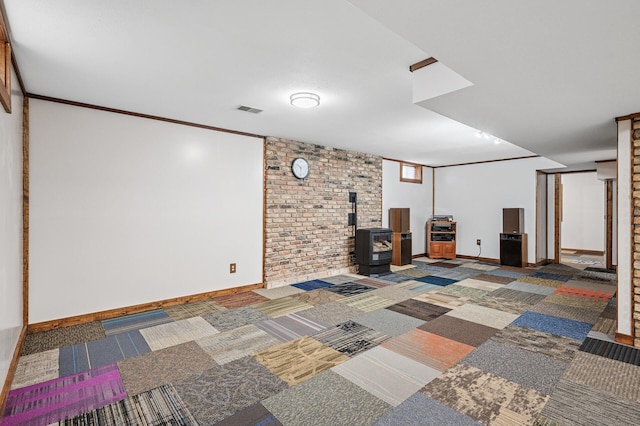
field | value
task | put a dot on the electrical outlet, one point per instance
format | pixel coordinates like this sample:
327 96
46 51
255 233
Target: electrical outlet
232 268
478 242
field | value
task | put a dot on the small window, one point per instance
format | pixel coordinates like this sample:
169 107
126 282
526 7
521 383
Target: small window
410 173
5 67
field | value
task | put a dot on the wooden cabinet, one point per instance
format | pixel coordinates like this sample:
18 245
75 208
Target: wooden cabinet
441 239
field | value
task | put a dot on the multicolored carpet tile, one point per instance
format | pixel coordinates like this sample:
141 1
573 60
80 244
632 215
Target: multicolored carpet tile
135 321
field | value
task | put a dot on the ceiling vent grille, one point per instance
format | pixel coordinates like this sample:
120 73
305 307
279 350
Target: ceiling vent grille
249 109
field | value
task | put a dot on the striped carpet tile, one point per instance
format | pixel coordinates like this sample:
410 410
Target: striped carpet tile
193 309
291 327
601 296
351 338
282 306
235 344
135 321
65 397
611 350
367 302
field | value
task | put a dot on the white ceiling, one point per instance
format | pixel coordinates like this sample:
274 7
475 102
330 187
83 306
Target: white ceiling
548 76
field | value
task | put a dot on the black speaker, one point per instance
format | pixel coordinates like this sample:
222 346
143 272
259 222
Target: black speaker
513 250
513 221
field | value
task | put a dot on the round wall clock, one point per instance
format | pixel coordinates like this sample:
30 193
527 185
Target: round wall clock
300 168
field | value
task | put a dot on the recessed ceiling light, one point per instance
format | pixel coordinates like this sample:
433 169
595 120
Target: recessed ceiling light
305 100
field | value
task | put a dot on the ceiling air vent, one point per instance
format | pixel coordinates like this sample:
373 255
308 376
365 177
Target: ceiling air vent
249 109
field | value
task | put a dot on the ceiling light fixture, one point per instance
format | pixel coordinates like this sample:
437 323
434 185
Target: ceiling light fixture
305 100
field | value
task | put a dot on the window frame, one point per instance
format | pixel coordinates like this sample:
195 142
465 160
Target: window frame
418 172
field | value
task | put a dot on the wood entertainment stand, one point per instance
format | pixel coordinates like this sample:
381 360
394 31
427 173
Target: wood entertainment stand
441 239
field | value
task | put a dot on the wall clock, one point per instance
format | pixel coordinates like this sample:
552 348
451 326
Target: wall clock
300 168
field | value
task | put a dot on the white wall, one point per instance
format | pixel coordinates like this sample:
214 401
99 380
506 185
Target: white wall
10 230
417 197
583 211
126 210
475 195
625 221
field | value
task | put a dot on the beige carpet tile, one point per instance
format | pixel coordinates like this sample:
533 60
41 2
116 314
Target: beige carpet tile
36 368
367 302
277 292
564 311
561 299
299 360
60 337
445 300
154 369
487 398
541 281
558 347
174 333
479 284
605 325
498 279
482 315
414 272
619 378
331 313
317 297
234 318
417 287
240 299
470 293
282 306
522 296
500 303
480 266
592 285
394 293
231 345
374 282
193 309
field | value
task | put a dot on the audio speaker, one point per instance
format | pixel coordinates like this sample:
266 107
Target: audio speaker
513 250
399 220
513 221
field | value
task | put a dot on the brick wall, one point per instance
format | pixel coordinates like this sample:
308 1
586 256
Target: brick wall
635 136
307 233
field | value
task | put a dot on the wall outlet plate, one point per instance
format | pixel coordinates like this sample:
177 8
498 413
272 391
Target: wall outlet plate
478 242
232 268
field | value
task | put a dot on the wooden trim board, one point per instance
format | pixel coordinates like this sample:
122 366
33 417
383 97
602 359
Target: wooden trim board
625 339
422 64
12 370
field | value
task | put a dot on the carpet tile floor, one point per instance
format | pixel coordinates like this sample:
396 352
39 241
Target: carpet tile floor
437 342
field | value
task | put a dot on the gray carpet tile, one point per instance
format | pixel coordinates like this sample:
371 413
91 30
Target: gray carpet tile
570 312
591 285
59 337
331 313
459 330
375 282
388 322
394 277
460 273
576 404
417 309
559 347
520 296
255 415
494 278
234 318
326 400
351 338
530 288
420 410
501 304
349 289
462 291
611 350
602 277
414 272
395 293
340 279
532 370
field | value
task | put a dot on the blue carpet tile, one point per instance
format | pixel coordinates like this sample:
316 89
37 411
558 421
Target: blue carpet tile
97 353
136 321
396 278
555 325
312 285
548 276
611 350
433 279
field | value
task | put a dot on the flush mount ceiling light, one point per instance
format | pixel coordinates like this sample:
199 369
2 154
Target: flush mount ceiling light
305 100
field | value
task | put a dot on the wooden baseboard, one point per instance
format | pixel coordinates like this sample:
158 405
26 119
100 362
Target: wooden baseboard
12 370
415 256
113 313
625 339
542 262
588 252
482 259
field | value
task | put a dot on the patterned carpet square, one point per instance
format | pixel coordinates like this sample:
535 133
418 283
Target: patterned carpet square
485 397
299 360
388 322
393 293
445 264
144 373
577 302
397 377
559 347
317 297
292 326
501 304
605 326
234 318
457 329
367 302
277 292
555 325
551 276
351 338
611 350
437 280
541 281
460 273
193 309
312 285
520 296
394 277
532 370
596 407
494 278
584 293
331 313
430 268
174 333
480 284
97 353
64 397
570 312
340 279
36 368
374 282
530 288
326 400
602 277
429 349
481 315
159 406
414 272
350 289
424 411
135 321
255 415
238 300
237 343
416 286
219 392
462 291
439 298
59 337
503 272
598 286
282 306
418 309
483 267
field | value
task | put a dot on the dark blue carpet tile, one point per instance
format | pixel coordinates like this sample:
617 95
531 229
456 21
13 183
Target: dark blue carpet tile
611 350
312 285
504 273
555 325
97 353
396 278
548 276
434 279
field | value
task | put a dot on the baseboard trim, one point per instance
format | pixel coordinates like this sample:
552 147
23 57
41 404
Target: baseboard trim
588 252
415 256
482 259
12 370
135 309
625 339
